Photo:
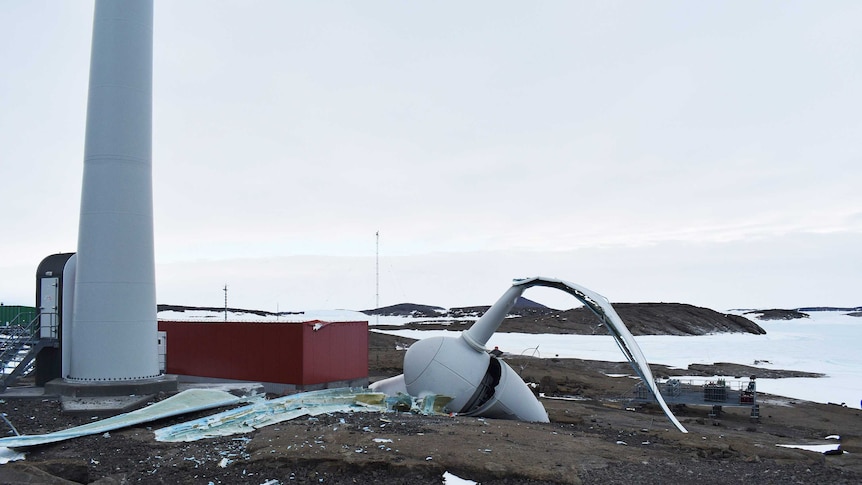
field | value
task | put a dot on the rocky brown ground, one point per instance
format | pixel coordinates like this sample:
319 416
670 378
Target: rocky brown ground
593 440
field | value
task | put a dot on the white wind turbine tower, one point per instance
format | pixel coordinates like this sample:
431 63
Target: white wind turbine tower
112 336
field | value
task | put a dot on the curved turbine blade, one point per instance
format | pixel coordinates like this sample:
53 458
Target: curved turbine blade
600 306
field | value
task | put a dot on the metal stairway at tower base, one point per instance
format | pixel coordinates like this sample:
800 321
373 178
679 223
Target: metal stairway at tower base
19 346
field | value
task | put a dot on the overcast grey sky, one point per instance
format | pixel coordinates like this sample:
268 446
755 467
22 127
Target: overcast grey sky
700 152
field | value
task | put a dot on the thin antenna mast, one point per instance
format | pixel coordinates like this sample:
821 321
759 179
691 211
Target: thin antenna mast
377 277
225 303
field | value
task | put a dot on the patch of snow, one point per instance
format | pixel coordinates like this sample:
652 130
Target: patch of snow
563 398
450 479
814 448
8 454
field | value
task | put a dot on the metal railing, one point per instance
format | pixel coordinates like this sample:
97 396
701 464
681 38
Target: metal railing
19 342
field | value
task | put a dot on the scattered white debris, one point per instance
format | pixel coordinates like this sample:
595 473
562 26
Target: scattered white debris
428 458
382 440
223 463
106 435
833 437
622 443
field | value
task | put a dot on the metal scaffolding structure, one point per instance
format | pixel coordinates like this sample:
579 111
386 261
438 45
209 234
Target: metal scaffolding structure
716 392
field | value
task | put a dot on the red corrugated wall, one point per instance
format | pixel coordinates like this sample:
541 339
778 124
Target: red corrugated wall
286 353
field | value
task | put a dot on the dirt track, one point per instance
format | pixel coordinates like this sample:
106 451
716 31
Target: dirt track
594 440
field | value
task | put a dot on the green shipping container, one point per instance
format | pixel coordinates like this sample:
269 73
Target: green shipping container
10 314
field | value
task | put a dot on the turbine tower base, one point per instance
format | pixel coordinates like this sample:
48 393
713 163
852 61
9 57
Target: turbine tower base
141 387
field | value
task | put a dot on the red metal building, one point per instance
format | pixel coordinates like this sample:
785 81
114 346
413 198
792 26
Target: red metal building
307 355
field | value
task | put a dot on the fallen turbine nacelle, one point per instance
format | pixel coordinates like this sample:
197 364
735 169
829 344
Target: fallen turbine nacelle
479 384
483 385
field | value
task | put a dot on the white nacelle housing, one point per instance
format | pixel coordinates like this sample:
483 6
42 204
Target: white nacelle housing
478 383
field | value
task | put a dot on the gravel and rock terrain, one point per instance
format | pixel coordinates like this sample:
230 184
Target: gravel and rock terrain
596 436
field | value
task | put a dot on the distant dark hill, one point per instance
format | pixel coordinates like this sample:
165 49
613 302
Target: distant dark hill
640 318
523 306
408 310
793 314
777 314
530 305
830 309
